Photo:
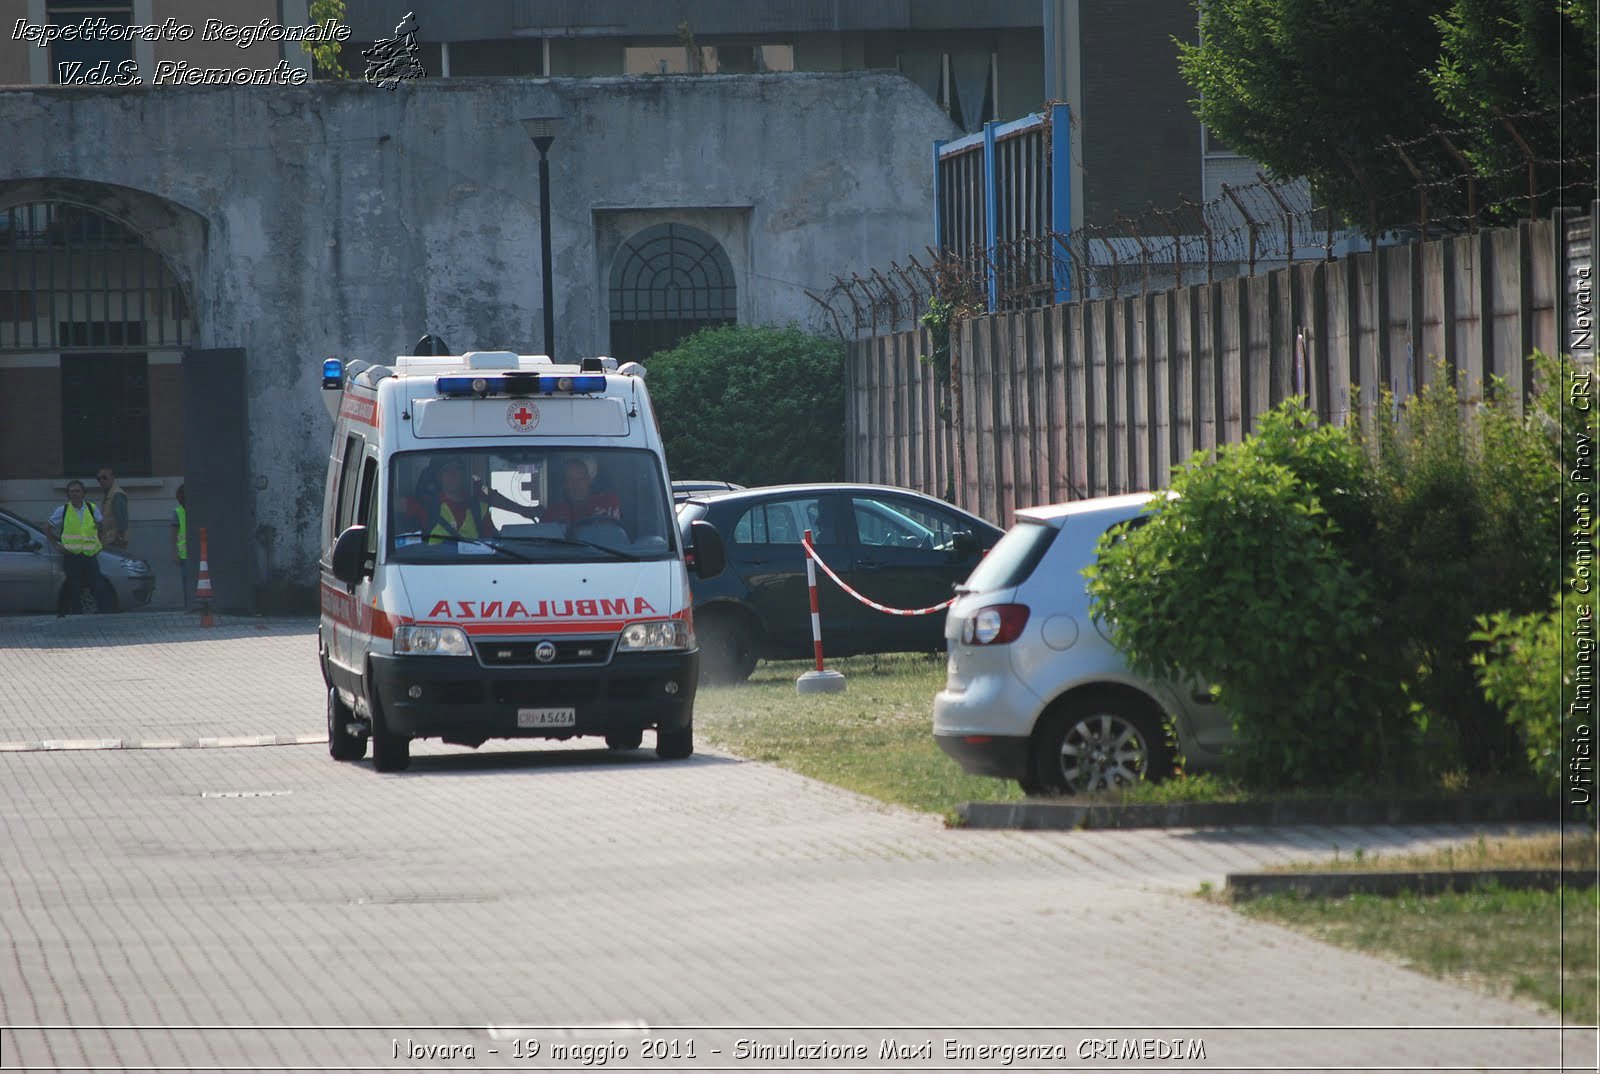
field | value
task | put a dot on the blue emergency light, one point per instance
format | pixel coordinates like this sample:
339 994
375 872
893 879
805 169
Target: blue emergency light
332 375
519 384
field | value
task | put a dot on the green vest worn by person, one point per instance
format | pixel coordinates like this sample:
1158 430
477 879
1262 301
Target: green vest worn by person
79 534
183 531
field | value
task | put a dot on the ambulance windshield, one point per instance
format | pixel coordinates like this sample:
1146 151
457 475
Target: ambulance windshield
534 505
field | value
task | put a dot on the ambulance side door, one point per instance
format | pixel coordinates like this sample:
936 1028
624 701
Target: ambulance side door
366 514
338 618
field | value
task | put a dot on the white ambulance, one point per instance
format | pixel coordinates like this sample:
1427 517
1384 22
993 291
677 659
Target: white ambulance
500 558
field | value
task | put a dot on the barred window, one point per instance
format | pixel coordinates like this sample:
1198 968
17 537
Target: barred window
668 282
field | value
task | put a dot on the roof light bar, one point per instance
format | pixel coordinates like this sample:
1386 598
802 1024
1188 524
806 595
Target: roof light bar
520 384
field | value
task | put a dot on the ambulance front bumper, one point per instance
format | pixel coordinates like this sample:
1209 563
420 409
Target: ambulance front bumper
458 699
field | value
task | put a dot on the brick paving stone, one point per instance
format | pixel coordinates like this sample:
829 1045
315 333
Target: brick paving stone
562 886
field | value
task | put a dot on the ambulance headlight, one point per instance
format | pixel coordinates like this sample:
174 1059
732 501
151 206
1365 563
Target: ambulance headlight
661 634
431 641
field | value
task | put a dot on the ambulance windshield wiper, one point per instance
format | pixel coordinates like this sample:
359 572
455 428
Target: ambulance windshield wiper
487 542
617 552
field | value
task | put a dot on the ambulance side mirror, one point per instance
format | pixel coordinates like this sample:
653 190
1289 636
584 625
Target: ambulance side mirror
349 560
710 556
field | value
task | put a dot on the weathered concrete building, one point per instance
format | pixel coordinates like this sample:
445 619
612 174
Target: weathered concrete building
175 262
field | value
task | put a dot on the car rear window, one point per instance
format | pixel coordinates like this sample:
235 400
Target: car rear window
1012 560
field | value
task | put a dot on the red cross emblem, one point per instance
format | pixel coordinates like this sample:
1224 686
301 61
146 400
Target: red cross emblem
522 417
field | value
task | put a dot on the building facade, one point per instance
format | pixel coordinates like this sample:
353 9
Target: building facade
268 228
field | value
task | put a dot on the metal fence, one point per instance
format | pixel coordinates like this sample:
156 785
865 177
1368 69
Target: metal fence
1001 196
1090 398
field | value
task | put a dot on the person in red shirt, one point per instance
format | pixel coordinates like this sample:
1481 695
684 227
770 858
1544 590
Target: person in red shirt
578 503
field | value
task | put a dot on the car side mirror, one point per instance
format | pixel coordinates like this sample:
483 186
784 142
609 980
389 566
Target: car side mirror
34 546
710 555
963 543
349 560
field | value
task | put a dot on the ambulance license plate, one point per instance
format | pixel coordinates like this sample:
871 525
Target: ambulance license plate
547 717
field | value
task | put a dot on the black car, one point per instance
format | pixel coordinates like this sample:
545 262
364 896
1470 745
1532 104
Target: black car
900 548
682 490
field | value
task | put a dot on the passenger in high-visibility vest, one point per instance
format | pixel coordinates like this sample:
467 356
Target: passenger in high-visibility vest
75 527
180 545
460 513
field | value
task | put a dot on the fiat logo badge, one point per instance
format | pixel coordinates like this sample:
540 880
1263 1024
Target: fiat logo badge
545 652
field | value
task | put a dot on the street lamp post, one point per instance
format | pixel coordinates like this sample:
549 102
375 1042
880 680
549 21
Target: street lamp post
543 132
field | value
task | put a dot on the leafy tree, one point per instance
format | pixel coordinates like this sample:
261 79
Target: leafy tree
756 405
1516 56
1313 88
325 54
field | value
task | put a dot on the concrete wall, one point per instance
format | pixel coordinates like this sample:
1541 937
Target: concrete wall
342 219
1103 397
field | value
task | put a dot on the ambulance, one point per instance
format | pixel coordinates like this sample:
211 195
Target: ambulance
500 559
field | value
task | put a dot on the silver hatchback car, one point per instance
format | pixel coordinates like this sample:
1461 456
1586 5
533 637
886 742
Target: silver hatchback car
31 575
1036 690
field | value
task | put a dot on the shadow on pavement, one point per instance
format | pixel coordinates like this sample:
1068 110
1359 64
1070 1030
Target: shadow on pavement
501 760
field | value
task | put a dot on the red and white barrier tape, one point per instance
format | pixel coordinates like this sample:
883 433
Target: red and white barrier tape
812 557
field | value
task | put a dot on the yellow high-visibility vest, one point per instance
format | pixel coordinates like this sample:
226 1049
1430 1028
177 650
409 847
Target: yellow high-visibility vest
183 532
468 528
79 534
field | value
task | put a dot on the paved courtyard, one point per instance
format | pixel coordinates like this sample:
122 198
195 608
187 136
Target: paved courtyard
191 883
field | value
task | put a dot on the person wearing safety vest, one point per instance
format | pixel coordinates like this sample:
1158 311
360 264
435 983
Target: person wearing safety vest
113 511
180 545
459 512
75 527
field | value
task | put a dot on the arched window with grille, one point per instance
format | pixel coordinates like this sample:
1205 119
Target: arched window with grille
668 282
88 299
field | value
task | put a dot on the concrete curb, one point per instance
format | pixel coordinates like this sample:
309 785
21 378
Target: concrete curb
1042 815
1433 882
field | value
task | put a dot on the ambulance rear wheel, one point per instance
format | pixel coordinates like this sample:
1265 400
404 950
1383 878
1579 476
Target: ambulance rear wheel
390 752
675 745
624 740
342 745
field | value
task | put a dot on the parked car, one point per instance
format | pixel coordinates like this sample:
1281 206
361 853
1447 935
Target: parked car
894 546
31 575
1037 690
682 490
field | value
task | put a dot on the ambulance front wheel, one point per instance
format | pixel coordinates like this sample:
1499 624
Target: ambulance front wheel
390 752
677 744
342 745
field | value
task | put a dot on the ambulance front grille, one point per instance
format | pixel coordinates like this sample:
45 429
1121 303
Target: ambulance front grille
524 653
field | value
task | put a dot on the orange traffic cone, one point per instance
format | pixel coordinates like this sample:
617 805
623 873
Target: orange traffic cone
202 588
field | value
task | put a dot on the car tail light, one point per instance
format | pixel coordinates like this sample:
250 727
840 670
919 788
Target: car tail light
995 625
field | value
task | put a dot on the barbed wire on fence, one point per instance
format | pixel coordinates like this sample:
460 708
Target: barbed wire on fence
1464 179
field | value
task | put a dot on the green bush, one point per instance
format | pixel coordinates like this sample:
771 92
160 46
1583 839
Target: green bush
1243 579
1465 497
1339 587
756 405
1521 670
1527 666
